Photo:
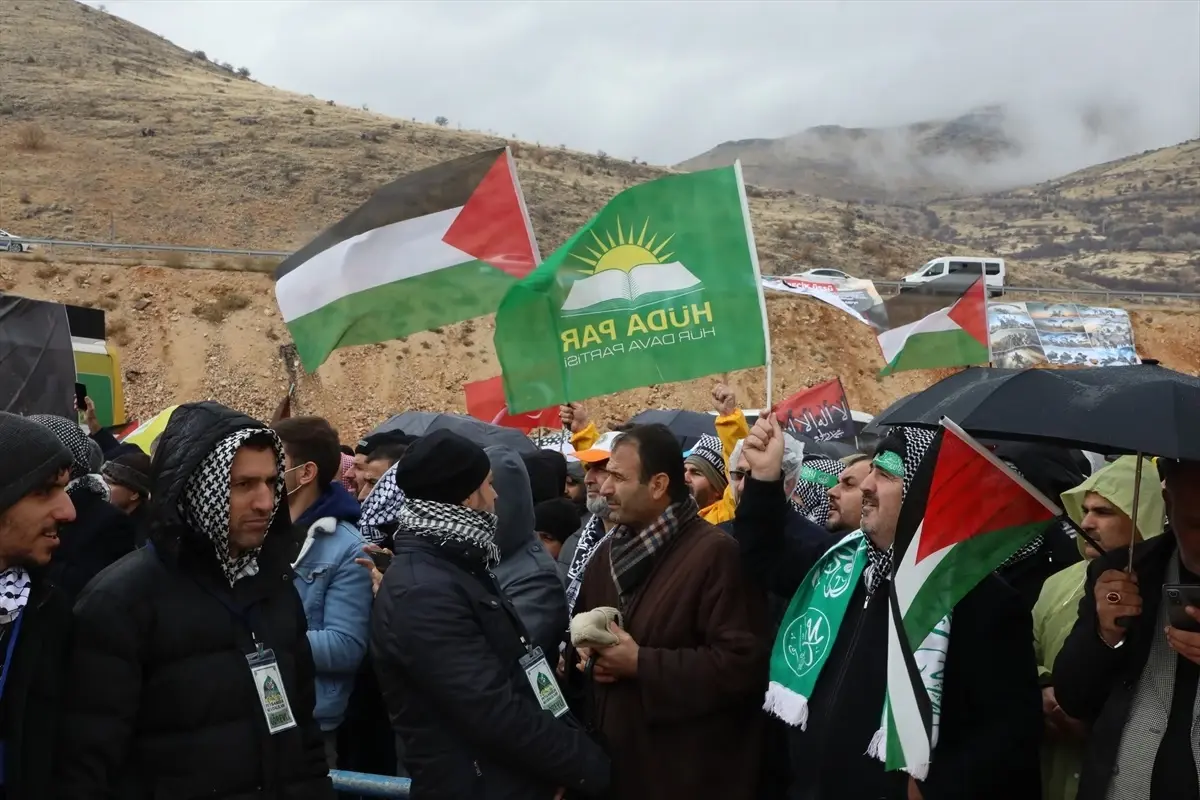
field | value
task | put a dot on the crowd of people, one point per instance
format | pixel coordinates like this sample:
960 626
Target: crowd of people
251 605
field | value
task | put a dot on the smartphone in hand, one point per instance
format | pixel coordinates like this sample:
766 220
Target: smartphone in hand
1177 597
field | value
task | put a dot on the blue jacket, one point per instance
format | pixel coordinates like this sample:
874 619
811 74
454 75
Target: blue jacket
336 594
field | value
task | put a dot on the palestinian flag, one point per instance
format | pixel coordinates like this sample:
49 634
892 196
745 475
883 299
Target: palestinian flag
432 248
965 514
942 323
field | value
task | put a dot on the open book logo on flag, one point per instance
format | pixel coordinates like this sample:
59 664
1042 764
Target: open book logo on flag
629 271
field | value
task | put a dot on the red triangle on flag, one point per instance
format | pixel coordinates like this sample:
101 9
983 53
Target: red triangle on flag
492 226
970 312
970 496
485 401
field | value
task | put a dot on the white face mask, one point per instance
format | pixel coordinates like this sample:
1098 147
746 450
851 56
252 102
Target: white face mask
293 469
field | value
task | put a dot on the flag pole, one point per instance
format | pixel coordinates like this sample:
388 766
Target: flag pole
762 298
969 440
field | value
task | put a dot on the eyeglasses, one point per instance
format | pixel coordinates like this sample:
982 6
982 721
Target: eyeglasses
738 474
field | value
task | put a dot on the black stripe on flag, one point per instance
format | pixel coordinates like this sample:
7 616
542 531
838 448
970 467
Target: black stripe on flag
438 188
918 302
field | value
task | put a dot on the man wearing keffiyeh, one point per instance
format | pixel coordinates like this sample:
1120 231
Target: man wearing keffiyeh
828 678
165 640
35 615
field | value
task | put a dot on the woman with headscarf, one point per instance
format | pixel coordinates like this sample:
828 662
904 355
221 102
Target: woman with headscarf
101 533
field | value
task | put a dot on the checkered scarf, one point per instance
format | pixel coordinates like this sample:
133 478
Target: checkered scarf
83 477
817 476
381 507
879 562
590 538
632 552
346 474
14 594
205 503
450 524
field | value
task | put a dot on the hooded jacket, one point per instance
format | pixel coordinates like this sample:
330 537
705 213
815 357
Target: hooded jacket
161 701
1057 607
336 594
527 574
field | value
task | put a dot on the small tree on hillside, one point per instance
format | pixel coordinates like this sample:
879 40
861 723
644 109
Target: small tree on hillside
441 121
243 72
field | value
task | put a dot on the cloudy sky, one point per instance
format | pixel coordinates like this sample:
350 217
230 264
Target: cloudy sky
664 81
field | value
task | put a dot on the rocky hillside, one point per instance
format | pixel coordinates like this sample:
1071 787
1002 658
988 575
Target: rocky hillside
106 128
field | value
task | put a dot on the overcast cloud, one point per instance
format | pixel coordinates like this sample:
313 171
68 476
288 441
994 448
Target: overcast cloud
664 81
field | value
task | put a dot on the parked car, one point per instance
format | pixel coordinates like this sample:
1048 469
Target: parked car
823 274
11 243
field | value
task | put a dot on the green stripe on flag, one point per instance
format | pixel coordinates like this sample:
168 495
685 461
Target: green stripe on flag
938 349
961 571
402 308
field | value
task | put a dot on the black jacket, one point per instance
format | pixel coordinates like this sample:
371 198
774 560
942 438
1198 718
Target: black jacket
1096 683
527 574
447 647
100 534
991 723
160 697
31 707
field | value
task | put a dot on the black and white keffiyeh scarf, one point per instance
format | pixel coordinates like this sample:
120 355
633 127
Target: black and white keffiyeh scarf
632 552
381 508
590 538
14 594
818 475
205 503
451 525
83 477
917 442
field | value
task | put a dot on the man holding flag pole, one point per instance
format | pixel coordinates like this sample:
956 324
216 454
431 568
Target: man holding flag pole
955 715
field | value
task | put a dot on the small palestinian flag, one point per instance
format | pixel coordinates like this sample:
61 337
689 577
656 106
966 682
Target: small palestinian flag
965 514
432 248
941 324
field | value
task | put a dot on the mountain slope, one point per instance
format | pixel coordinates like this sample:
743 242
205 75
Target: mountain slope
233 163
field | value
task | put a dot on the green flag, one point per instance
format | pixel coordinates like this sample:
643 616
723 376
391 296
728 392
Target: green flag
661 285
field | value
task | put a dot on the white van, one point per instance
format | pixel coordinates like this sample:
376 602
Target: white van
991 268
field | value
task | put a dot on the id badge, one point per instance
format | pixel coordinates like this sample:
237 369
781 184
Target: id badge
541 678
271 694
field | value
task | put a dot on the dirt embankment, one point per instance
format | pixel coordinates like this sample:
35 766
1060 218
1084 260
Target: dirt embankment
203 334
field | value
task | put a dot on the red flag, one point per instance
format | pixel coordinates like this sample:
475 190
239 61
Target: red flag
820 412
485 401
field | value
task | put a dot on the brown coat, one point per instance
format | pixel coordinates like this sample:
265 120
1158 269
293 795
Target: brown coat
690 724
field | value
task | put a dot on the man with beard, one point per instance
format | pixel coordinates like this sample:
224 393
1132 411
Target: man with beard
35 615
190 672
596 529
845 498
990 718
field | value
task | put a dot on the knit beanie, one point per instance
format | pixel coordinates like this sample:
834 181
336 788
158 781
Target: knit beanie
558 517
708 457
547 474
32 456
131 470
442 467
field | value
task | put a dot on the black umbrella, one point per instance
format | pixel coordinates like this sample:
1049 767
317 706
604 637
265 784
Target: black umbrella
688 426
1138 409
419 423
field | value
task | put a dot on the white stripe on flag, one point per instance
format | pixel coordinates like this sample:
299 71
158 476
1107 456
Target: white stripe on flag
902 701
892 342
378 257
911 576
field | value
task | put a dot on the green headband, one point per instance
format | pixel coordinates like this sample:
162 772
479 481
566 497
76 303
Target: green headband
891 463
820 478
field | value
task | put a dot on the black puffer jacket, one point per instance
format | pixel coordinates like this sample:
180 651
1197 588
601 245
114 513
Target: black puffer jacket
447 647
161 702
100 534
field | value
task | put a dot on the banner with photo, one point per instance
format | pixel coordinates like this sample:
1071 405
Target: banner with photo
1063 334
858 297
